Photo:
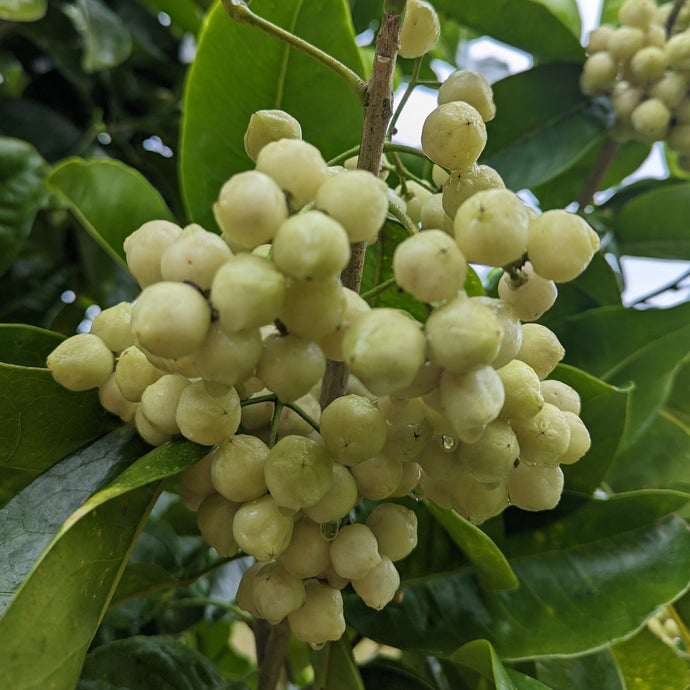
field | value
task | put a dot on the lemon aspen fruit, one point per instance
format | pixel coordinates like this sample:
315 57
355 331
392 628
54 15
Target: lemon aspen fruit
471 87
144 248
454 135
81 362
420 29
266 126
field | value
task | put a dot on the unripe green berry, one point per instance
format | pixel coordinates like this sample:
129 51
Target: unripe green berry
462 184
277 592
395 529
214 518
338 501
491 457
312 309
377 478
308 553
320 618
651 119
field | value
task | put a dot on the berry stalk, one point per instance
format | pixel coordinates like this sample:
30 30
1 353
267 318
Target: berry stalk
378 110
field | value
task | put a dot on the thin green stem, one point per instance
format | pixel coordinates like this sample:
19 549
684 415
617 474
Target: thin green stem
207 601
403 218
673 16
269 397
275 420
404 173
238 10
375 291
606 156
411 86
306 417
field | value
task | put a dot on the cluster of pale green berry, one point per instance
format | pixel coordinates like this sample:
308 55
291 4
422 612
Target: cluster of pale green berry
646 73
228 341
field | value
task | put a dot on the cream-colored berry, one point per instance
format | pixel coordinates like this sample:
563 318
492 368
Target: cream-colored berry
395 529
308 553
207 419
462 184
214 518
170 319
114 327
320 618
250 208
540 348
651 119
144 248
237 468
378 477
266 126
134 372
491 457
430 266
312 309
277 592
535 488
378 587
580 440
543 438
296 166
354 551
523 396
338 501
453 135
159 402
420 29
261 529
471 87
560 394
531 296
81 362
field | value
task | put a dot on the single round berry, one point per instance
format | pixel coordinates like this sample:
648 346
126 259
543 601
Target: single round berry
266 126
81 362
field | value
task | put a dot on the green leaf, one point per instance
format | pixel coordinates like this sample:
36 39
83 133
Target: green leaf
110 199
480 656
387 673
26 346
623 346
21 195
31 519
570 601
238 70
609 11
596 670
660 458
22 10
55 612
563 189
140 663
543 125
605 412
654 223
645 661
107 42
493 570
40 423
335 667
549 29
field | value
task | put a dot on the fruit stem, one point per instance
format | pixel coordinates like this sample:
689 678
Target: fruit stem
378 109
272 656
412 84
275 421
238 10
402 218
596 174
673 16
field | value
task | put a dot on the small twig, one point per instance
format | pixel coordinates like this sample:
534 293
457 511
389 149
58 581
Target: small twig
673 16
306 417
378 109
411 86
673 286
269 397
274 655
403 218
596 174
275 420
238 10
376 291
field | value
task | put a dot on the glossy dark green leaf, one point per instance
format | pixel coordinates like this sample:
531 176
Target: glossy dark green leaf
238 70
40 423
660 458
335 667
26 346
110 199
654 223
21 195
31 519
493 570
22 10
571 600
480 656
106 40
143 663
73 581
605 412
596 670
563 189
543 125
645 661
550 29
623 346
598 286
387 673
